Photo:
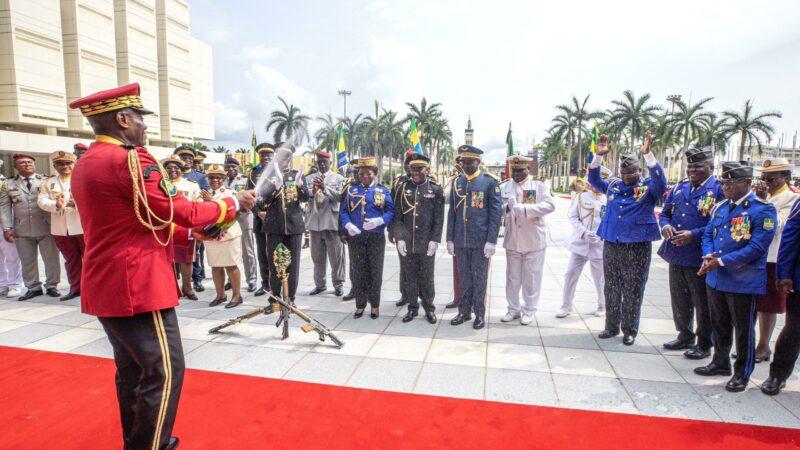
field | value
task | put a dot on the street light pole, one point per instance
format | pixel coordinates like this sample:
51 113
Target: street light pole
344 93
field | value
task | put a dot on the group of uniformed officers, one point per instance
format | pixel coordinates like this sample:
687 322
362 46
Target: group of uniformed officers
722 239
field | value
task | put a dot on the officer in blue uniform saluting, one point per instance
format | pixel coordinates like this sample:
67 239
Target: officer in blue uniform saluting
735 245
473 224
628 227
683 220
366 210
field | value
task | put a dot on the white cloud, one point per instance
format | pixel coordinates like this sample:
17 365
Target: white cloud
259 52
230 120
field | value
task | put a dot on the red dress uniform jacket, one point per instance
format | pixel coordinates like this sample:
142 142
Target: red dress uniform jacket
125 270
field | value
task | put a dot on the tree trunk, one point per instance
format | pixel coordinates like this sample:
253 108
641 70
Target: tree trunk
741 147
580 148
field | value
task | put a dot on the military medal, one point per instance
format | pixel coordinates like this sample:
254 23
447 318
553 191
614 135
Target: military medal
529 197
379 197
639 191
477 199
740 228
291 191
705 204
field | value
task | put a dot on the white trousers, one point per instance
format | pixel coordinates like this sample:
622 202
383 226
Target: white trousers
10 266
574 269
524 273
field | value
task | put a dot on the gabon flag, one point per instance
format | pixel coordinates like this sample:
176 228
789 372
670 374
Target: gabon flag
509 149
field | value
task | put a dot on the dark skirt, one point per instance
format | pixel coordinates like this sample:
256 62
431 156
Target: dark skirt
773 301
183 254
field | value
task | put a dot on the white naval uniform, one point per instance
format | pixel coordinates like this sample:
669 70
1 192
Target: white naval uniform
524 207
584 245
782 202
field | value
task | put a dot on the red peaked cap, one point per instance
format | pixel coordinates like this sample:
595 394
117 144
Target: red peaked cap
323 154
111 100
22 156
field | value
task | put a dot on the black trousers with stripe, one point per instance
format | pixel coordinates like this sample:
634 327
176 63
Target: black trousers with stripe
731 314
788 346
149 358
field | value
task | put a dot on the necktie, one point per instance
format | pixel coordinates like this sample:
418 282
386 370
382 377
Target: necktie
731 206
28 183
213 192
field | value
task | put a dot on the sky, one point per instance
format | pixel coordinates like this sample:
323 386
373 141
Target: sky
495 61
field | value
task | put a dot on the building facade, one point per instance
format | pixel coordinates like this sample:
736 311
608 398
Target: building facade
55 51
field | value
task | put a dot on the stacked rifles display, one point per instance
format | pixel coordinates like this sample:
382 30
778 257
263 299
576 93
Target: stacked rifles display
282 258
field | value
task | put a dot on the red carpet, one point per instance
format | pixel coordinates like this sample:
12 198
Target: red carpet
53 400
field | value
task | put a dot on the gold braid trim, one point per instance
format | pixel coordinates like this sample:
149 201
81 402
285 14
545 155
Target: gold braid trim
140 195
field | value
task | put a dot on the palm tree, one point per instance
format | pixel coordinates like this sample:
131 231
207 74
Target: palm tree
634 114
581 116
219 149
371 134
688 121
439 134
200 147
665 135
750 126
564 129
328 133
290 125
392 136
425 114
715 133
353 134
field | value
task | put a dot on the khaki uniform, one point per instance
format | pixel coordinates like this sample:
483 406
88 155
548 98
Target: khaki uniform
20 212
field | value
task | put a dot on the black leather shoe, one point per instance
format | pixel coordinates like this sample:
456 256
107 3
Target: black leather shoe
316 291
228 286
410 316
697 353
451 305
677 344
736 384
430 316
198 287
358 314
401 302
261 291
374 313
191 296
460 318
217 301
350 295
234 304
70 296
712 370
30 294
772 386
53 292
479 323
173 443
628 339
251 287
337 291
605 334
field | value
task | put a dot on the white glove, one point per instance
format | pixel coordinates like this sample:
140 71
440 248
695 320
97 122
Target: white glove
488 250
370 224
512 201
401 248
451 248
352 230
519 209
432 246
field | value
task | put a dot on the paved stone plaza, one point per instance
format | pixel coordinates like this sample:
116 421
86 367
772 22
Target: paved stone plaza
554 362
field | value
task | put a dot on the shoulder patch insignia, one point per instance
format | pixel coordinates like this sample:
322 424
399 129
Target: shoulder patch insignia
146 173
168 187
769 224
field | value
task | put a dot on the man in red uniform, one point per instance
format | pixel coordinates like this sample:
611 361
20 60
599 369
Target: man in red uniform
130 213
